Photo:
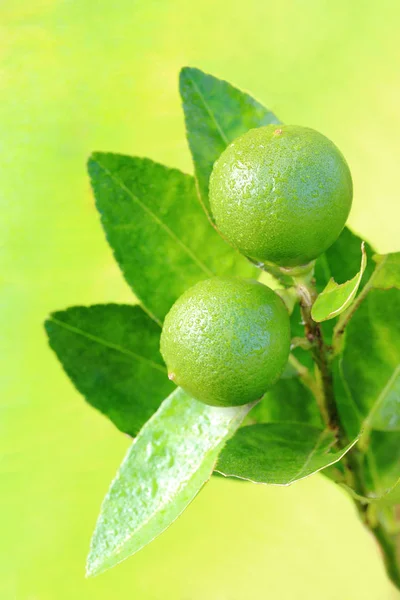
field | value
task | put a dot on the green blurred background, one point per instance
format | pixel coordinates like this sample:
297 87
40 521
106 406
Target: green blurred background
83 75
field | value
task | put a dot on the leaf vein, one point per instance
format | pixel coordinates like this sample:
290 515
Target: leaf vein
107 344
210 112
378 402
317 445
161 223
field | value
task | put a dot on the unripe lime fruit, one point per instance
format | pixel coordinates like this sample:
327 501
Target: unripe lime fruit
281 194
226 340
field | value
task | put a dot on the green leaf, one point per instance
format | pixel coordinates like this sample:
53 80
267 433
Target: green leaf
382 449
371 359
161 238
278 453
168 463
215 114
111 354
367 387
342 260
382 463
387 272
287 400
336 298
385 414
349 412
392 496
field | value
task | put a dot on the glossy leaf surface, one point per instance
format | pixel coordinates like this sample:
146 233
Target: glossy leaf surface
168 463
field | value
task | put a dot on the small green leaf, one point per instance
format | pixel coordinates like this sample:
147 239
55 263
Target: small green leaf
215 114
387 273
336 298
278 453
161 238
342 260
111 354
168 463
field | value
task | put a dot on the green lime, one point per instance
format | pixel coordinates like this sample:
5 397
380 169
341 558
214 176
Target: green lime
226 340
281 194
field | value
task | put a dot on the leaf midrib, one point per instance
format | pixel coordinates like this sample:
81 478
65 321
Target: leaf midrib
159 222
211 114
107 344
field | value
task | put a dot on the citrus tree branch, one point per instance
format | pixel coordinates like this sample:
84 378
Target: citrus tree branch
352 461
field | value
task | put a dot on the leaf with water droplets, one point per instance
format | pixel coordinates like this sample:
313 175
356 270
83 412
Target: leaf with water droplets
168 463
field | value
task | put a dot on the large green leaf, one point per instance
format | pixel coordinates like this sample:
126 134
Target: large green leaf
215 114
288 400
382 464
111 353
161 238
371 359
336 298
382 449
170 460
278 453
367 386
392 497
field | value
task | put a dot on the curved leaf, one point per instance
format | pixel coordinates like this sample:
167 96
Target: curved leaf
336 298
278 453
168 463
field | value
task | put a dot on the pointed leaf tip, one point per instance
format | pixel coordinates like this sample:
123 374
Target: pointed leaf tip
168 463
216 113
